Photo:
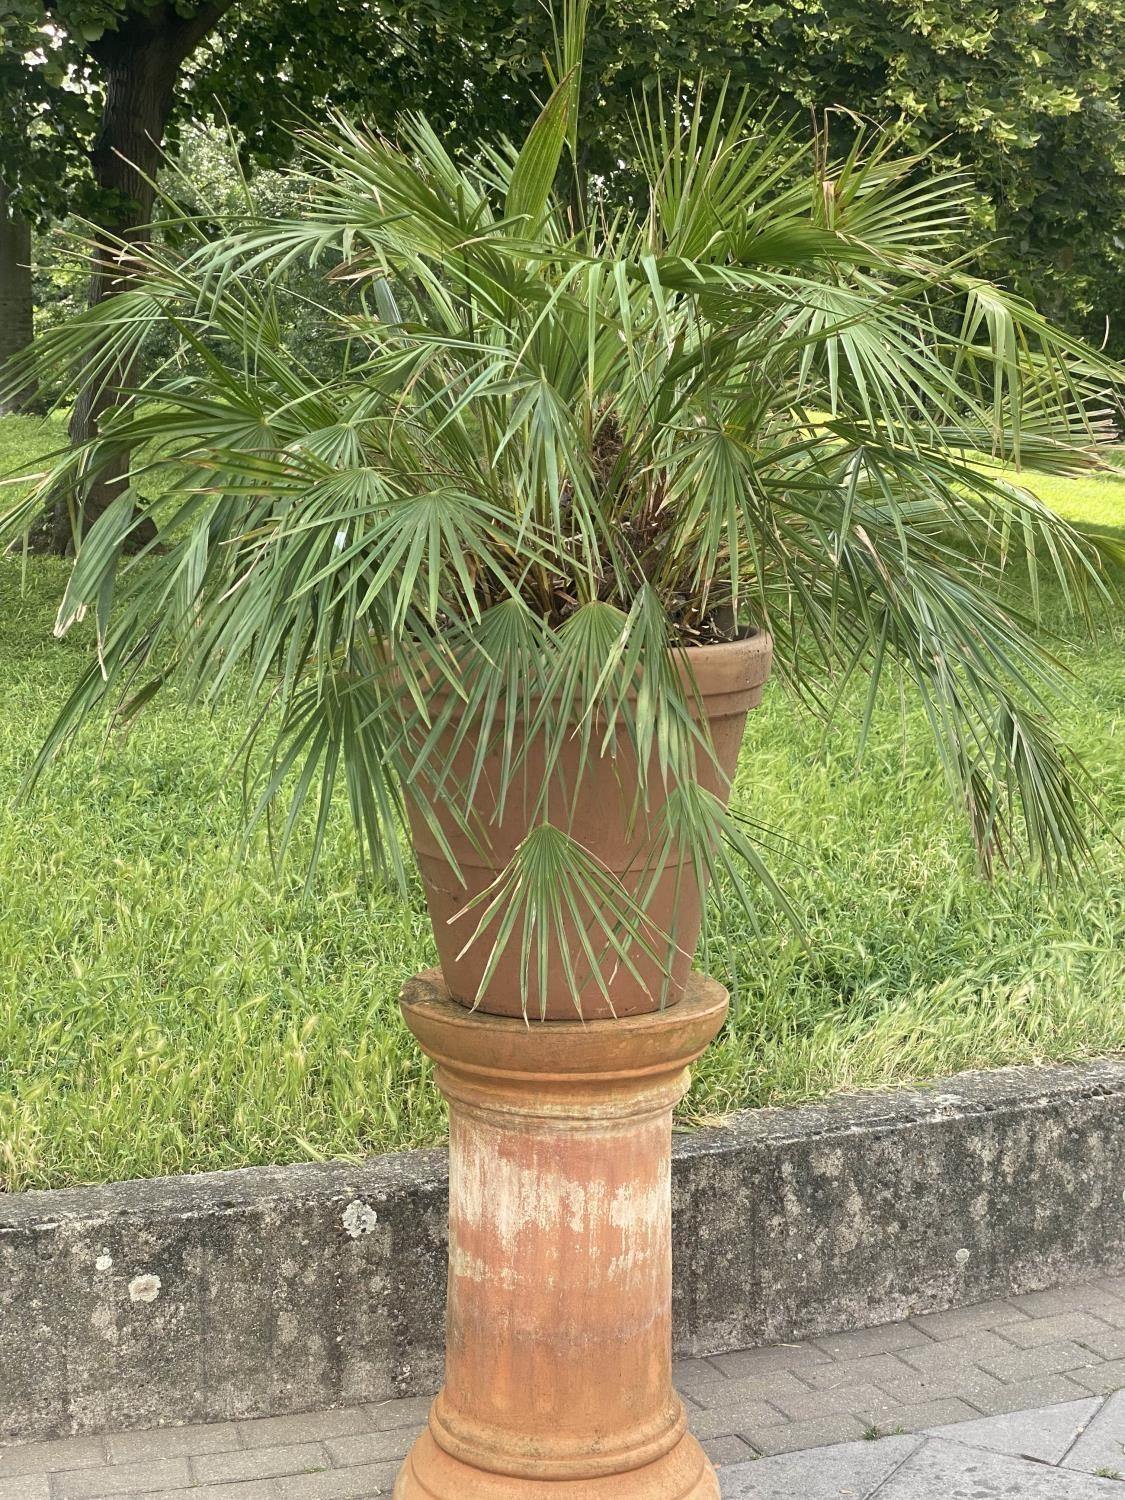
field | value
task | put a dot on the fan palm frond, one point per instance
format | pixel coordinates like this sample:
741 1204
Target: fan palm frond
561 449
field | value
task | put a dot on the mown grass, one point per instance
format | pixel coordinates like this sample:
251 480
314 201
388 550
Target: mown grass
168 1005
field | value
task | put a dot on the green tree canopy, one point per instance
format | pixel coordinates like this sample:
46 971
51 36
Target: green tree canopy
1025 96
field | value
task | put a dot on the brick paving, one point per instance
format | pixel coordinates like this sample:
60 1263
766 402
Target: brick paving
1020 1397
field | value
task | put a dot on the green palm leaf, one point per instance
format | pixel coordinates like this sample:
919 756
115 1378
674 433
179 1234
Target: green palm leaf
560 449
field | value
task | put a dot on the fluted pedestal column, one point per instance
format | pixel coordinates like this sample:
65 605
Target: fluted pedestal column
558 1330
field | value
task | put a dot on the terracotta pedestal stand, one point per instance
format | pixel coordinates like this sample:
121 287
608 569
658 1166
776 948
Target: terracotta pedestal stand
558 1338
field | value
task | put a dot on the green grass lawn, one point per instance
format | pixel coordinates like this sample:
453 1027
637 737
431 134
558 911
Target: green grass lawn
167 1006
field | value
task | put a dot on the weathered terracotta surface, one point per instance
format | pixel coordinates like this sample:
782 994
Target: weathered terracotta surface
728 683
558 1341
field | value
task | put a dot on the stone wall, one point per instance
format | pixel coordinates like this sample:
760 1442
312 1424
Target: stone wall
273 1290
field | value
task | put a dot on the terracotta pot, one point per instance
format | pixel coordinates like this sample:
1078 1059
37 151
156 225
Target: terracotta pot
728 683
558 1364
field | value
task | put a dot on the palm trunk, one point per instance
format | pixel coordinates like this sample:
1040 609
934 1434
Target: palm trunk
16 302
140 66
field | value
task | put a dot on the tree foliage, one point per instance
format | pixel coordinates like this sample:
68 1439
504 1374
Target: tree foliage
59 60
1024 96
46 126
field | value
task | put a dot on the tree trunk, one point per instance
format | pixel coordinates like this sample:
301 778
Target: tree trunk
16 304
140 66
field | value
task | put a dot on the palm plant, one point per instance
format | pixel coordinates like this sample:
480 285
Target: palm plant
564 445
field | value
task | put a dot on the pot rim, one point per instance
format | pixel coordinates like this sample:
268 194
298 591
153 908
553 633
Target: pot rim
746 662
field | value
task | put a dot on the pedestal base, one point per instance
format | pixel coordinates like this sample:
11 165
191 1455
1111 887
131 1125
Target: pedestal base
430 1473
559 1319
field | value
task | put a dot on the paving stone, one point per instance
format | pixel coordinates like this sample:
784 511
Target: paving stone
303 1427
697 1379
171 1442
1045 1433
796 1436
1108 1344
340 1484
797 1358
961 1320
250 1489
735 1417
882 1340
1048 1359
709 1385
371 1447
1048 1390
1080 1326
855 1470
26 1487
868 1399
1107 1306
886 1370
692 1371
52 1457
959 1353
777 1388
1103 1380
728 1450
122 1479
896 1418
916 1387
260 1463
941 1470
409 1411
1102 1445
1085 1296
